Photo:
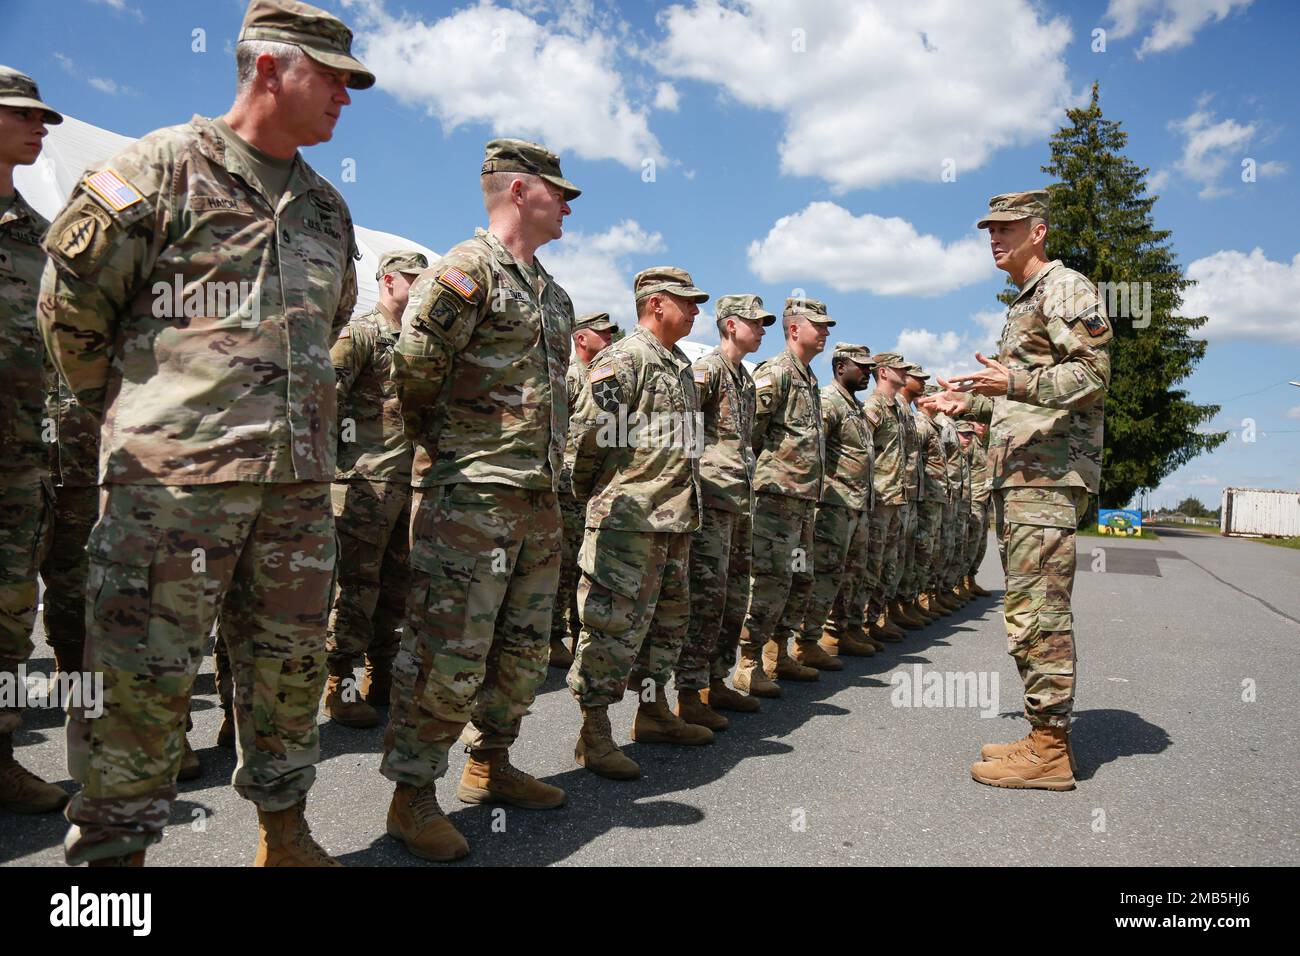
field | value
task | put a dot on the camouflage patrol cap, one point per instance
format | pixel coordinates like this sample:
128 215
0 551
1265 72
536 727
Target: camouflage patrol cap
854 353
931 388
965 428
814 310
321 35
401 260
916 371
890 360
1009 207
667 279
745 306
19 91
596 321
521 156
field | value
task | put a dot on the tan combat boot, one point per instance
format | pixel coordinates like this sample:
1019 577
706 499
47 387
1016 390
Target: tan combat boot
1042 762
868 635
846 645
21 791
694 709
560 655
343 703
596 750
899 614
415 818
490 778
944 602
925 604
190 768
778 665
377 681
284 839
226 732
964 592
750 676
656 724
998 751
882 628
975 587
721 697
812 654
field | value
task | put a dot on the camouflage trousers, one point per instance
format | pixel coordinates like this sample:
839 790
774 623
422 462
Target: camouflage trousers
929 540
1036 538
906 555
882 551
24 511
838 534
978 541
719 588
781 576
564 622
163 560
634 600
485 562
76 509
373 519
954 543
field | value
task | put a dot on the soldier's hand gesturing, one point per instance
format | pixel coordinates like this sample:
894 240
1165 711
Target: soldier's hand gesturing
951 401
992 381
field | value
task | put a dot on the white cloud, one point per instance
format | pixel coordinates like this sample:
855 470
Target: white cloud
666 97
595 270
951 352
1273 168
1176 22
1209 147
1203 480
825 243
1246 296
1293 412
558 82
875 91
111 87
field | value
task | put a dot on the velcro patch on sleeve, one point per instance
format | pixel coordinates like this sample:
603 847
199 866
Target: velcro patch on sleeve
1093 321
872 417
460 283
115 191
701 376
602 372
763 381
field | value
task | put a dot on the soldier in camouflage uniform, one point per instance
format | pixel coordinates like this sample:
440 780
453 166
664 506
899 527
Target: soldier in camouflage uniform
966 553
720 549
957 511
480 368
981 486
636 464
883 413
591 334
790 452
25 493
194 287
1044 395
842 523
932 508
904 604
372 501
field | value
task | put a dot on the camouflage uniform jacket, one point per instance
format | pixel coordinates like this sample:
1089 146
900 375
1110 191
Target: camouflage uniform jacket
933 456
954 460
787 438
980 476
74 453
22 356
883 415
196 317
727 399
372 442
1047 431
574 380
480 369
850 450
913 467
636 438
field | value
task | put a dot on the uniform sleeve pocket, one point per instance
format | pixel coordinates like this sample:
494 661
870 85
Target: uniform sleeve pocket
119 587
604 567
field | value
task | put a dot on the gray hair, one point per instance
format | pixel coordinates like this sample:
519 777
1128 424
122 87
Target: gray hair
287 56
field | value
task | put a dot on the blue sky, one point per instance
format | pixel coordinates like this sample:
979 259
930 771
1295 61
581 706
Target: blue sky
793 145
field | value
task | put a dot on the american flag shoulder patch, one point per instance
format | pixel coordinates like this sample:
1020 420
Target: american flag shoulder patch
701 376
458 282
871 417
763 381
602 373
113 189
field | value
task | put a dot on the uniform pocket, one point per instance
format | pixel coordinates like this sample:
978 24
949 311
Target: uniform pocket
1042 507
449 574
119 583
606 568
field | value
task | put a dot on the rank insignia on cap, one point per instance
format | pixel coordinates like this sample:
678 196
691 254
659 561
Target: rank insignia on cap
113 189
461 284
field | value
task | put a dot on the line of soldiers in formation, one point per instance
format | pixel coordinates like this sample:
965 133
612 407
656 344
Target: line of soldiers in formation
453 483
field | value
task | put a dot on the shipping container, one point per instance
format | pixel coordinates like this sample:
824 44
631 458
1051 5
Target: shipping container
1260 512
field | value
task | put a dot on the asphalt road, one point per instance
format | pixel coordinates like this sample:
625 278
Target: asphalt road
1176 767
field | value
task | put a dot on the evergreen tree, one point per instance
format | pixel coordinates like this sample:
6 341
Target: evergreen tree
1102 226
